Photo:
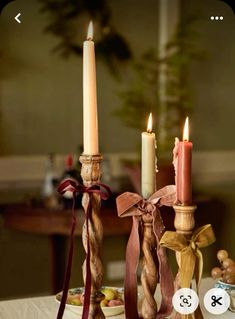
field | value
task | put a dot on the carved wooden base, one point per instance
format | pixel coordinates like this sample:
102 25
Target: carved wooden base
91 174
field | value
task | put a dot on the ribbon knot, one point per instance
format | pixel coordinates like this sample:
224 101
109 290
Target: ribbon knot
132 204
71 185
146 206
191 257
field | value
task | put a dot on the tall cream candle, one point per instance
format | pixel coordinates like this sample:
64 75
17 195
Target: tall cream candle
148 161
90 121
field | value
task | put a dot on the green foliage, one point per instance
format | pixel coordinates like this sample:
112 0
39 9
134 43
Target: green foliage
140 97
64 17
143 95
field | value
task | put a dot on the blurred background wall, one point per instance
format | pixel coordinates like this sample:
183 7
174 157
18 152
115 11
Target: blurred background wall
41 112
38 104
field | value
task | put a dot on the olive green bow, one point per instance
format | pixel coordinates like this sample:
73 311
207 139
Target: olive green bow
191 260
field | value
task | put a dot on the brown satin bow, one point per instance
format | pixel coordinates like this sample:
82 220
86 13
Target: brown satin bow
104 192
191 259
132 204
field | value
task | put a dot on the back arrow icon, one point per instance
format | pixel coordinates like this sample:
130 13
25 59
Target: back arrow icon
17 17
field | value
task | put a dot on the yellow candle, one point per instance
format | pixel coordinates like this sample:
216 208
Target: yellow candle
148 161
90 121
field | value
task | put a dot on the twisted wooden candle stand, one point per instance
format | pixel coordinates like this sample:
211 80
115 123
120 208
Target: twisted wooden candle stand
91 174
149 275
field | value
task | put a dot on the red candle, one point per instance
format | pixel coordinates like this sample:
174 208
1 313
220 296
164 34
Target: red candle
184 164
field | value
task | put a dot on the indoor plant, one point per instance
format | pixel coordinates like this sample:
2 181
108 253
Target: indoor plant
142 96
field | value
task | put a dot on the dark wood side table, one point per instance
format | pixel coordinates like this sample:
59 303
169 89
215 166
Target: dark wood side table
56 224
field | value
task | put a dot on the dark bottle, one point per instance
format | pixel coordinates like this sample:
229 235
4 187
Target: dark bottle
49 194
70 172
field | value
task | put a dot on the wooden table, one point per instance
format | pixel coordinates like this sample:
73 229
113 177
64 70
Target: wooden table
56 224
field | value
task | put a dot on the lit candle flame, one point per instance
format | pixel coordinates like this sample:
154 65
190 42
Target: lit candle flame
90 31
186 130
150 123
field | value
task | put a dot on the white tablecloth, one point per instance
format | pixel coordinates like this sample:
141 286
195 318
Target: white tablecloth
47 307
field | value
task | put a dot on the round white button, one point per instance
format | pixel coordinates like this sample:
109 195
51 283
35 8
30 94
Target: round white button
216 301
185 301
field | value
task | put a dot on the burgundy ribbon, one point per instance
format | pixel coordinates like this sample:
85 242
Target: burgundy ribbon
104 192
132 204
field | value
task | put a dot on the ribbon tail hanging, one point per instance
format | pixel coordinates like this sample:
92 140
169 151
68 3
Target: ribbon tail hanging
187 266
198 276
198 268
130 282
69 264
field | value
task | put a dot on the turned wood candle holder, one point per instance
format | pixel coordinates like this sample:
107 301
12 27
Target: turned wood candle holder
184 224
184 219
91 174
149 274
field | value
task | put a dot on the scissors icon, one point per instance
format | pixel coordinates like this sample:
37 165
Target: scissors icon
216 301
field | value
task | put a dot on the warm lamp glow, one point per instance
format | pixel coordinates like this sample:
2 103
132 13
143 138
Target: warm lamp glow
186 130
90 31
150 123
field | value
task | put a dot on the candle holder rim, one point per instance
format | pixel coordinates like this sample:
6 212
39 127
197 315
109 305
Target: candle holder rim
90 155
90 158
184 207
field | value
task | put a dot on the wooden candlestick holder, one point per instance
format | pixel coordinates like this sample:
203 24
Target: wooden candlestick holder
91 174
149 274
184 224
184 219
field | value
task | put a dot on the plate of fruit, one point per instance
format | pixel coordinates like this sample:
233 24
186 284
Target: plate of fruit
112 304
225 272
